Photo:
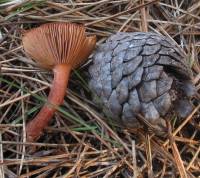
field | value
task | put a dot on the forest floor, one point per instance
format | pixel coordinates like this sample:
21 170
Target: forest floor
80 141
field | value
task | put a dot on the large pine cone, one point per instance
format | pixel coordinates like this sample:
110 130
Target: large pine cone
141 73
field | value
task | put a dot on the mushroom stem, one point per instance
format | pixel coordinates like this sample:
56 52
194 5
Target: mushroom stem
35 127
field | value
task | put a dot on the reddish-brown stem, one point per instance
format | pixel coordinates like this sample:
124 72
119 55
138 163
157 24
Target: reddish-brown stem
35 127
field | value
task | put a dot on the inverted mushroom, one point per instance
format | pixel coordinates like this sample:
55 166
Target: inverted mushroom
60 47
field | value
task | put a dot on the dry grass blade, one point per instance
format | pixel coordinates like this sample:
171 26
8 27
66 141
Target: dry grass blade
184 123
144 18
193 159
149 157
135 173
122 13
176 154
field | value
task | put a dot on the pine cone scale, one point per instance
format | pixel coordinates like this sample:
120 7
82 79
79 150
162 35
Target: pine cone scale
137 73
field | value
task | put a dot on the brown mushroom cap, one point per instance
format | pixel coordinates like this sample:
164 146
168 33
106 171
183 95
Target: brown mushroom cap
57 43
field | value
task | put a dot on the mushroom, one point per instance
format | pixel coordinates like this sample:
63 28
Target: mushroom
60 47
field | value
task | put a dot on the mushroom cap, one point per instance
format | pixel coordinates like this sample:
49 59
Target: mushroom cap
58 43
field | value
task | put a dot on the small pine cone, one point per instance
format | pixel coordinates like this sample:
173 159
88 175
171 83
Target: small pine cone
141 73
